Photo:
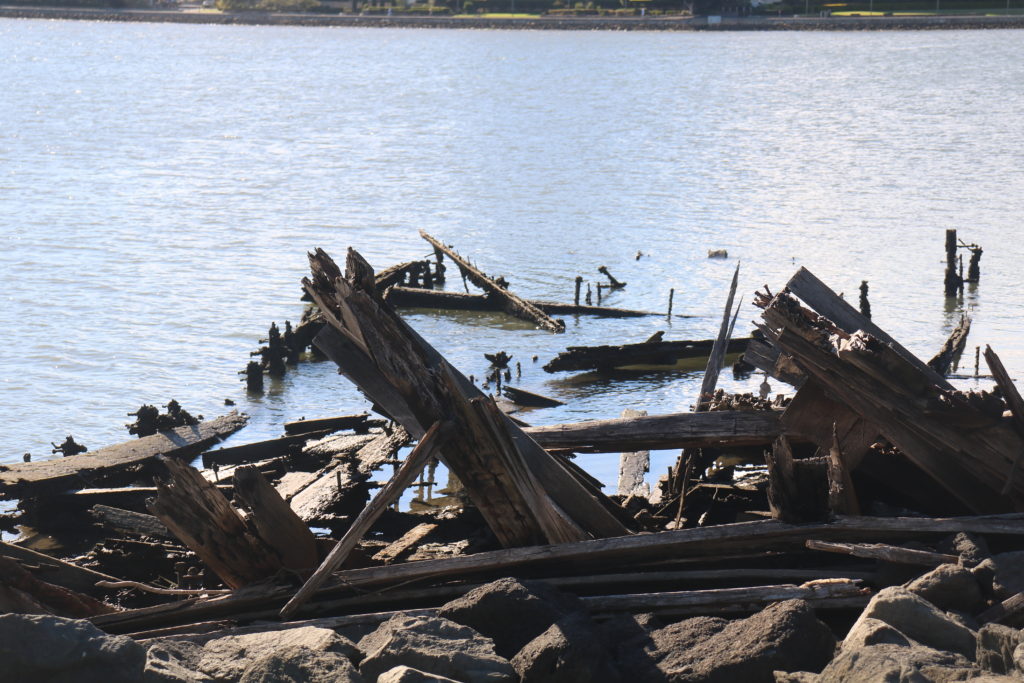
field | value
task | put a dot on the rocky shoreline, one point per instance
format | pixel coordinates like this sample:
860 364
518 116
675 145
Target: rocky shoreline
531 23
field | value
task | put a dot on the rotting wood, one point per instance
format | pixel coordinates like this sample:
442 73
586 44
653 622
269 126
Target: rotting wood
952 348
108 464
393 276
130 522
882 551
411 382
360 423
412 297
513 304
337 491
409 539
277 524
1009 610
385 447
722 429
412 466
731 599
842 498
661 353
21 591
201 517
633 465
716 358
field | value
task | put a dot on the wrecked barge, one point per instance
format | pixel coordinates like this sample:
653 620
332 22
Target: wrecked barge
884 486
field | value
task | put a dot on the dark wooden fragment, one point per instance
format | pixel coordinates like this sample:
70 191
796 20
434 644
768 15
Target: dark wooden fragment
528 398
1013 399
360 423
716 358
113 463
882 551
23 592
513 304
413 297
952 348
260 450
57 571
663 353
130 522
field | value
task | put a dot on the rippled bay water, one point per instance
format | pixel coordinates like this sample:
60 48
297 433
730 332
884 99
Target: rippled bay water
160 185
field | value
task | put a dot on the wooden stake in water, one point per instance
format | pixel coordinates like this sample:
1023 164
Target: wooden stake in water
671 294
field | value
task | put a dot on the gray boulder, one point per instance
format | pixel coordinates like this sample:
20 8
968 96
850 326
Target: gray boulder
1004 573
785 636
996 644
873 632
434 645
300 664
919 620
897 664
37 647
571 650
949 587
405 674
229 657
487 609
174 661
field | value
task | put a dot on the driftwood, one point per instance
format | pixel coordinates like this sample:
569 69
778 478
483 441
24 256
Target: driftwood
658 354
500 467
22 592
414 297
130 522
113 462
56 571
658 432
511 303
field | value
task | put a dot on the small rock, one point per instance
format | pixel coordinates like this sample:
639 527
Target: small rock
897 664
949 587
571 650
996 644
785 636
487 609
919 620
39 647
405 674
174 661
873 632
300 664
973 550
1018 658
230 656
435 645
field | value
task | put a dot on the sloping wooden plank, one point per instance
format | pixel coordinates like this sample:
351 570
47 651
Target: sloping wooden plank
81 471
514 305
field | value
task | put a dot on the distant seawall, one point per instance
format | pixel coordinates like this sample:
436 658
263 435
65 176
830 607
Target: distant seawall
534 23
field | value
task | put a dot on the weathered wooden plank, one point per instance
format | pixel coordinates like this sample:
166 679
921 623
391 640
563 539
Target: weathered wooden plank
513 304
412 466
658 432
882 551
57 571
259 450
415 297
528 398
359 422
277 524
130 522
1013 399
731 599
106 464
658 353
409 539
716 358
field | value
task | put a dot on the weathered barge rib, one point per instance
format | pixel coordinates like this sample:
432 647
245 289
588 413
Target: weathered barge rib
660 353
416 297
118 461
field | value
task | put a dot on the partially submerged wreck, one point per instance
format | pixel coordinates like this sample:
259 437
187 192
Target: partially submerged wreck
867 507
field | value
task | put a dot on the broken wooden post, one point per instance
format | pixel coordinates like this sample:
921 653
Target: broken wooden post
410 469
634 465
202 518
514 305
974 269
579 284
671 295
865 305
953 347
717 356
613 283
253 377
953 281
276 523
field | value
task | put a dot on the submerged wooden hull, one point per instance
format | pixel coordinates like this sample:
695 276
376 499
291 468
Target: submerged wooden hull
664 354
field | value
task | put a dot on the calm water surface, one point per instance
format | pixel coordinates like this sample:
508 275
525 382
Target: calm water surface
160 186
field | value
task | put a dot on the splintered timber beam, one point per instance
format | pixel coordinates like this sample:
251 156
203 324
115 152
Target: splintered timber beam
412 383
513 304
952 348
720 429
415 297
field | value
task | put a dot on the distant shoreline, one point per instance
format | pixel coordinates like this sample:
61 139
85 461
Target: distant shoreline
531 23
